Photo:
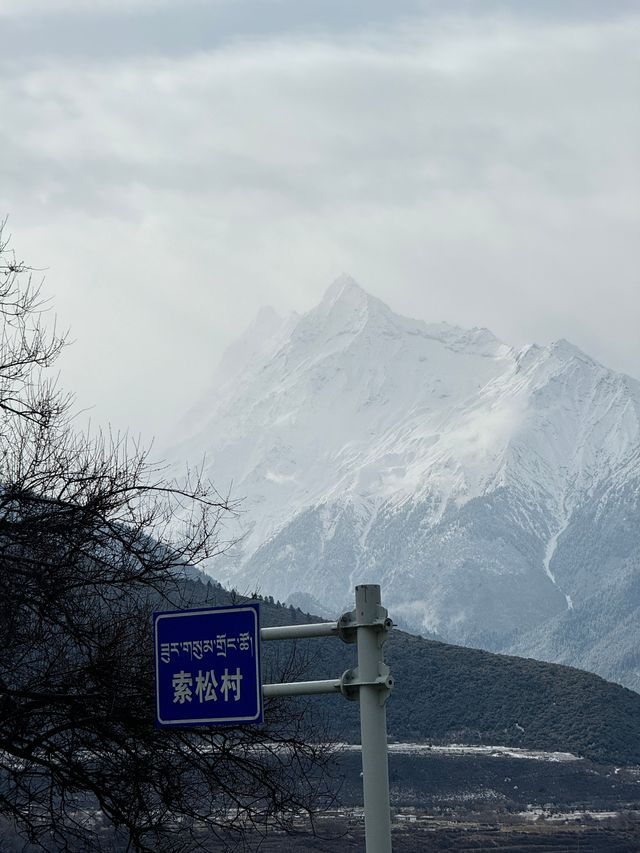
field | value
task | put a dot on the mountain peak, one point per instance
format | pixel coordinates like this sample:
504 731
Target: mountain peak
465 476
565 350
346 290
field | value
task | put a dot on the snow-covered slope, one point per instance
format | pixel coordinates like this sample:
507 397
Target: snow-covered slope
436 460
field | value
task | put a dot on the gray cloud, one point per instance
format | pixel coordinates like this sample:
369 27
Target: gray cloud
475 167
36 29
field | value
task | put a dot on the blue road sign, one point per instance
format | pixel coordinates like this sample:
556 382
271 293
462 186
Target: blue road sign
208 666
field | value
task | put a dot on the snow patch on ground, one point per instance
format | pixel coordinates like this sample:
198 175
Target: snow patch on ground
459 749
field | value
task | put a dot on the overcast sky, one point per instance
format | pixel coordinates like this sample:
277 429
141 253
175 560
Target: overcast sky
176 164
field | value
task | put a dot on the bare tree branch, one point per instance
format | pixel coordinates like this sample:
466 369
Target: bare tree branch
93 537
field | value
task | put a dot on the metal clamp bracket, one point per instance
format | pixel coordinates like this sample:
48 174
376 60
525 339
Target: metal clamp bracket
349 623
350 683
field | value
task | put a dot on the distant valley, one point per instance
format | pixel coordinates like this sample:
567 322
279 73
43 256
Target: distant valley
485 752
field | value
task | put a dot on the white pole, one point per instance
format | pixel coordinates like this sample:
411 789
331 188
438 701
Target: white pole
373 720
371 683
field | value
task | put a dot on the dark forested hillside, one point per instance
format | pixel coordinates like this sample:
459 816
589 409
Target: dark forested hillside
447 693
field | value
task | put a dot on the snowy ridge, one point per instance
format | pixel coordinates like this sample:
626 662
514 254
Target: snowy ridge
437 460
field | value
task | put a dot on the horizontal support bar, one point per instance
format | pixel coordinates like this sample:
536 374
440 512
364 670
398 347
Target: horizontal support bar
298 632
301 688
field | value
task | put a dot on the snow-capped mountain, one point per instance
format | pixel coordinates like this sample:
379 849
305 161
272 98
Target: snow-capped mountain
468 477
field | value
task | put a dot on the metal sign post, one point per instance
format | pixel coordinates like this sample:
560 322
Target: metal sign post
370 682
375 685
208 672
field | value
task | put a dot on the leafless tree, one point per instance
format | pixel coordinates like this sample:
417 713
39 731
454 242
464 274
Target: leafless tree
93 537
